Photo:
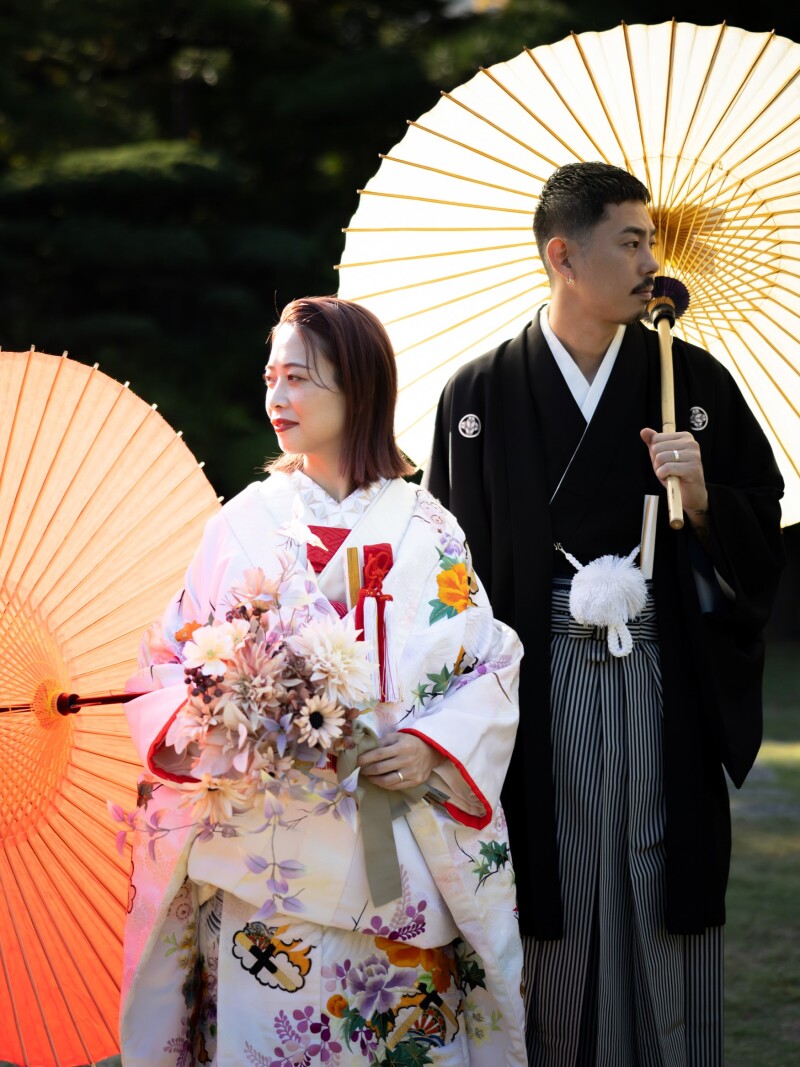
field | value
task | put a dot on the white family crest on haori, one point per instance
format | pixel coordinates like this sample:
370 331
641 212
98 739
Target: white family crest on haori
698 418
608 592
469 426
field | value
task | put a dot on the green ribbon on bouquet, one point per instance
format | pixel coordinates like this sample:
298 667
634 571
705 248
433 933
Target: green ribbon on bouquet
377 808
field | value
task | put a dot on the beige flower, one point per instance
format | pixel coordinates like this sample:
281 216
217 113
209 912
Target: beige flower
190 724
338 660
256 585
254 679
209 648
320 722
218 799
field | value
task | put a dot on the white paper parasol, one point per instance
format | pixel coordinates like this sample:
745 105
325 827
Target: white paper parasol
441 248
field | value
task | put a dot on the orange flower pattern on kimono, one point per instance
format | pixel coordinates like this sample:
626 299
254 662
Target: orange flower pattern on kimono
454 587
438 963
455 583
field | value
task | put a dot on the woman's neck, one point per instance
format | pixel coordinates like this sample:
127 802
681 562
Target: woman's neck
329 477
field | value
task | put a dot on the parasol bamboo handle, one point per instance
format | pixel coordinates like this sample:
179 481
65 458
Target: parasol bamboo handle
70 703
674 503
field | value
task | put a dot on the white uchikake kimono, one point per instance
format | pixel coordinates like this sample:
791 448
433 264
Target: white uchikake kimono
432 977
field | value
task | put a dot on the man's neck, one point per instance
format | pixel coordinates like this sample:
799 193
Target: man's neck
586 341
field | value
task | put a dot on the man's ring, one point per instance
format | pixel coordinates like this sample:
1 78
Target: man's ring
676 455
400 775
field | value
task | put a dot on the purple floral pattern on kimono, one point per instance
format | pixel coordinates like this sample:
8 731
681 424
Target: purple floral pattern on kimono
408 918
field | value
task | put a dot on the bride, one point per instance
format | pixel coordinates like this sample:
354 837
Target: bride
429 970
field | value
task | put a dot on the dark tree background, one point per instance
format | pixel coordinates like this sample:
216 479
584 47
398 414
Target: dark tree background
172 172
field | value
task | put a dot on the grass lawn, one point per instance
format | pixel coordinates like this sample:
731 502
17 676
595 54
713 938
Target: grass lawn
762 969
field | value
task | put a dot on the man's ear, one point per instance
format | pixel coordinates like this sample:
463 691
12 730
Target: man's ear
558 258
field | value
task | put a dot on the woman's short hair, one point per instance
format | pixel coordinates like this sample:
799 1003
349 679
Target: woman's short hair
357 346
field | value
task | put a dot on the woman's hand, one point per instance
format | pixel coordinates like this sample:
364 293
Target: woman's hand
401 760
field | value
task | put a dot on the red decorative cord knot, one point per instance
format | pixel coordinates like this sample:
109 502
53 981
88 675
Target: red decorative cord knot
377 564
374 620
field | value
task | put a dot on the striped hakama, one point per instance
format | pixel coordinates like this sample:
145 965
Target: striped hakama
617 990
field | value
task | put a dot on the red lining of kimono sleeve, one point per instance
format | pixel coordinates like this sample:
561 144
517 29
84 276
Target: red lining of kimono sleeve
157 742
477 822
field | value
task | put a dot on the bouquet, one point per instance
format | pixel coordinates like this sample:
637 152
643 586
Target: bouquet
272 693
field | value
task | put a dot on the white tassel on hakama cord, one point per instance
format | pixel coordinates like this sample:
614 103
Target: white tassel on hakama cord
609 591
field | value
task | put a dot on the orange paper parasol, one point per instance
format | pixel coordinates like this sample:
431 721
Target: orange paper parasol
102 505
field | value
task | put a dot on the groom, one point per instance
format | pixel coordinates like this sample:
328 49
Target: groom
616 796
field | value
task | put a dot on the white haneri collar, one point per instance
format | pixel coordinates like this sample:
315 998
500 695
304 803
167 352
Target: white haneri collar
330 512
587 395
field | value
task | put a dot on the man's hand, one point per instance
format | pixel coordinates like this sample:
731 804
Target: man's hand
402 760
679 453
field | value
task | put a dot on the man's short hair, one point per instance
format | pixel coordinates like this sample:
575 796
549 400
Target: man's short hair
575 197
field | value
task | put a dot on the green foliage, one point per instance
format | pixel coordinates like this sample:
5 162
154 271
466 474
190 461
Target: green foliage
407 1054
472 974
172 172
494 856
499 35
167 169
352 1022
423 693
441 611
762 936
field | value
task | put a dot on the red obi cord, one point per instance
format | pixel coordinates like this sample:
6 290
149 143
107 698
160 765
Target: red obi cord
378 560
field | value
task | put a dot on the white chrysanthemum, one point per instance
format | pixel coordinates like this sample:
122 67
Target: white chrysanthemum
209 648
237 630
320 722
338 660
218 799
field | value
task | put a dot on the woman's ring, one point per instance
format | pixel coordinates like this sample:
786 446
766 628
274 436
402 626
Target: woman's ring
676 455
399 775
